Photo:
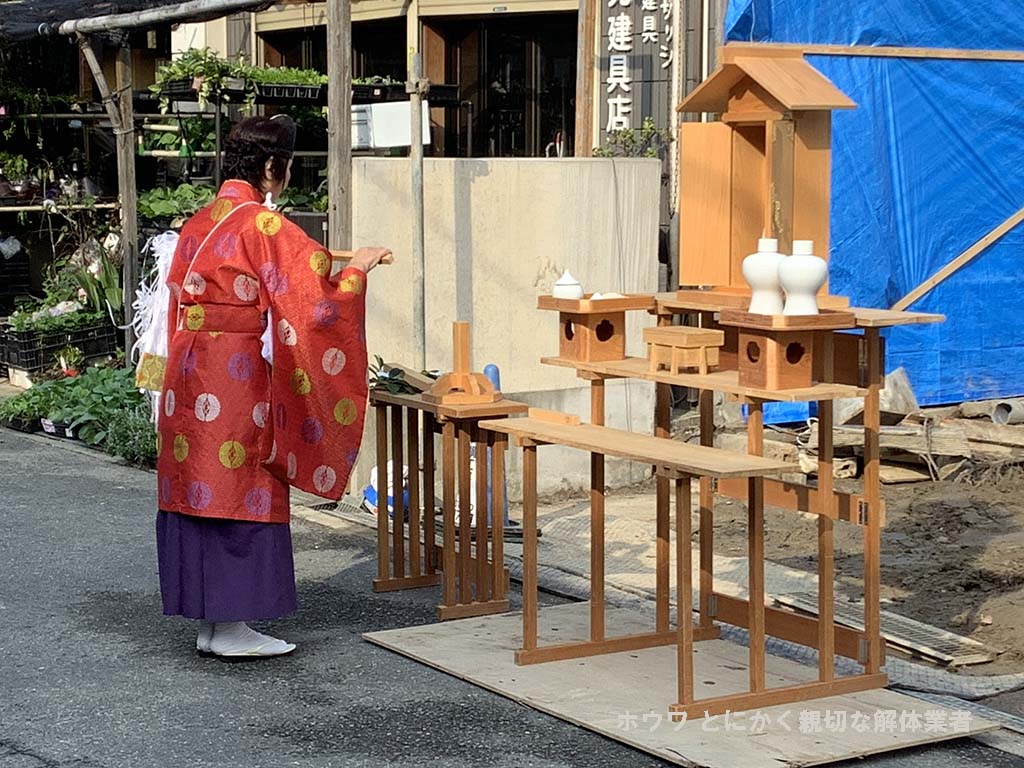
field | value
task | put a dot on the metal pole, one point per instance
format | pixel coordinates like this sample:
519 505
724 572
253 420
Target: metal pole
415 88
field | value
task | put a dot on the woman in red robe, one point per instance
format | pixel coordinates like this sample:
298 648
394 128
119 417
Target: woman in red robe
239 423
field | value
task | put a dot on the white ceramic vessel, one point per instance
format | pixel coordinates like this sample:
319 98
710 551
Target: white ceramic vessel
761 271
802 276
567 287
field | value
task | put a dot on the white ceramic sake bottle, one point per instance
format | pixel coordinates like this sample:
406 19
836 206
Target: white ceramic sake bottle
567 287
802 276
761 271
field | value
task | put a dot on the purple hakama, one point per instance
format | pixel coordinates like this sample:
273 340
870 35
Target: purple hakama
225 570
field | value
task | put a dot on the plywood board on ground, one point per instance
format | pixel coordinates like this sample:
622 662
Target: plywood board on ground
625 696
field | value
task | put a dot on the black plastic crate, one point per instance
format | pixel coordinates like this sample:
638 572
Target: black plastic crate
372 93
286 92
179 87
443 95
36 350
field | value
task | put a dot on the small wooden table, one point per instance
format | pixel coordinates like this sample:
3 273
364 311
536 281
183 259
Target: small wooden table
474 582
674 461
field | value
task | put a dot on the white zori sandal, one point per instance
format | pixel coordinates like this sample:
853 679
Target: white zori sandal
238 640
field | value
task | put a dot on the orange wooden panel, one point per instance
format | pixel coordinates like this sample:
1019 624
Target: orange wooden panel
705 182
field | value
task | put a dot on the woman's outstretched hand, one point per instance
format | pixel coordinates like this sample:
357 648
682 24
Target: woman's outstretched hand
368 258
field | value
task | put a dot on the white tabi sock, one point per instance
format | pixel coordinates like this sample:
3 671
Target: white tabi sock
238 639
204 637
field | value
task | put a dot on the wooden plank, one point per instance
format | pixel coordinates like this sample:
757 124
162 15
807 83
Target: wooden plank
705 166
412 436
383 553
724 297
597 543
794 82
448 511
693 459
405 582
748 202
442 411
964 258
828 319
895 474
812 182
556 416
786 625
887 318
589 305
755 552
717 381
468 610
787 695
734 50
581 650
801 498
594 692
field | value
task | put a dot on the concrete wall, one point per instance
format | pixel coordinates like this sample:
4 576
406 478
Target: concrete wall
498 233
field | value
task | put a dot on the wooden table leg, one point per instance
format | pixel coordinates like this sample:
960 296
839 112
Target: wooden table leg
429 534
397 493
755 550
684 592
872 493
482 581
707 521
383 552
448 511
826 550
465 515
412 437
529 547
662 428
498 442
597 543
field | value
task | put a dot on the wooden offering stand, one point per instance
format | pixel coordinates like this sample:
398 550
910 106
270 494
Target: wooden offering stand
594 330
777 351
474 580
677 347
461 387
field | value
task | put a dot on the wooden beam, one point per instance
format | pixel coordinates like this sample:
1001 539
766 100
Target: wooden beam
168 14
960 261
339 123
587 18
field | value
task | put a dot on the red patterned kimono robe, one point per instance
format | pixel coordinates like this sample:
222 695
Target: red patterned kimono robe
235 432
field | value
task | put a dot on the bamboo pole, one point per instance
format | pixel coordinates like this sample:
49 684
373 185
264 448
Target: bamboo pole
155 16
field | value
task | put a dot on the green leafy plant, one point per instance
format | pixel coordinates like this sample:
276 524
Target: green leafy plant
33 403
201 66
13 167
285 76
649 141
383 377
92 400
174 202
27 320
132 437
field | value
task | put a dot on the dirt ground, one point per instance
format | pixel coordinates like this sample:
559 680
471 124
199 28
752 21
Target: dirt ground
952 556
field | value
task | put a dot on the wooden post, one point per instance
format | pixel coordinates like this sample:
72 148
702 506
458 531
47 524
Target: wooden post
707 521
826 551
429 535
465 515
125 134
448 510
597 491
587 20
339 123
412 439
684 592
383 553
480 439
460 347
529 547
397 494
662 428
755 549
872 492
498 442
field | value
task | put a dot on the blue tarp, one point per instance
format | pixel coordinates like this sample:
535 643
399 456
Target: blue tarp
930 161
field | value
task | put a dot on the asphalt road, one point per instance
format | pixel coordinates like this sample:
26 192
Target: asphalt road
91 673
